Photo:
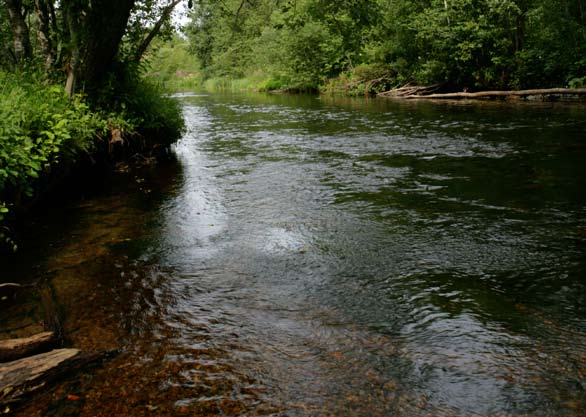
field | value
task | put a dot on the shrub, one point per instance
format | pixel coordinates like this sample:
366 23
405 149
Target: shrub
42 129
39 129
141 103
40 126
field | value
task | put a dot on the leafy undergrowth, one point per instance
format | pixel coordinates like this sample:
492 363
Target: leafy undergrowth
40 128
43 131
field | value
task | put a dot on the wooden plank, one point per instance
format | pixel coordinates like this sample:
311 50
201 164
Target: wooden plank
13 349
23 376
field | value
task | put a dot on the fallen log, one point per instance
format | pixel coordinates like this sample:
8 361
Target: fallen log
13 349
25 376
493 94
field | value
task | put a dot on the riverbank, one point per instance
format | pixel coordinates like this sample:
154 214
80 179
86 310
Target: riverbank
372 82
46 137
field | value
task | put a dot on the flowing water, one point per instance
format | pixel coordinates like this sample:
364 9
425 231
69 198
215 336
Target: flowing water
327 257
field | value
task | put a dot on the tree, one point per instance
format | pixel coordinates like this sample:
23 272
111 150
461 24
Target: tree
21 40
95 31
80 37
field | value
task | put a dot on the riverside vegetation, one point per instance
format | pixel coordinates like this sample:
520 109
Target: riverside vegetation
75 92
368 46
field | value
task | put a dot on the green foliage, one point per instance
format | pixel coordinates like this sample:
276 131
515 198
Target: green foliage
5 239
40 128
172 66
98 49
5 38
475 44
363 80
141 104
272 84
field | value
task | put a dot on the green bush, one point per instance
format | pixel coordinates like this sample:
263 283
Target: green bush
217 84
273 84
39 129
40 126
142 103
173 67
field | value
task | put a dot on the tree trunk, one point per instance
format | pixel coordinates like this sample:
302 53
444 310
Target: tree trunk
102 33
72 17
520 32
95 31
20 32
43 32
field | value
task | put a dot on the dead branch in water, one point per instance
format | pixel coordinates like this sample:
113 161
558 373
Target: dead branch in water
411 90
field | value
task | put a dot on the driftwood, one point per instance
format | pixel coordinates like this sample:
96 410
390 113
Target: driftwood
411 90
18 348
26 375
423 93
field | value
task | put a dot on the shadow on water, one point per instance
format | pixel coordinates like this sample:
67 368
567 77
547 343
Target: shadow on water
325 256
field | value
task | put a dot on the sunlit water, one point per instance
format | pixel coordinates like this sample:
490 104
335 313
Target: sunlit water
309 257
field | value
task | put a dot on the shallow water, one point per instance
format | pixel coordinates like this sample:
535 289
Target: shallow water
314 256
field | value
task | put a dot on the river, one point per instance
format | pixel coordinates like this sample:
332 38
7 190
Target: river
308 256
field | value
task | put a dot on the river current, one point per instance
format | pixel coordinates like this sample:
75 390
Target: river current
307 256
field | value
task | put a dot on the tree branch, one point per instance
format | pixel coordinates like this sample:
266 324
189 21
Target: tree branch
155 30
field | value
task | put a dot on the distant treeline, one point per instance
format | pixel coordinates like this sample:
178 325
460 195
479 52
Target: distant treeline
379 44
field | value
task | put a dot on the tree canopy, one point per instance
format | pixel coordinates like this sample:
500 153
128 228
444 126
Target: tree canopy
79 38
475 44
88 47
